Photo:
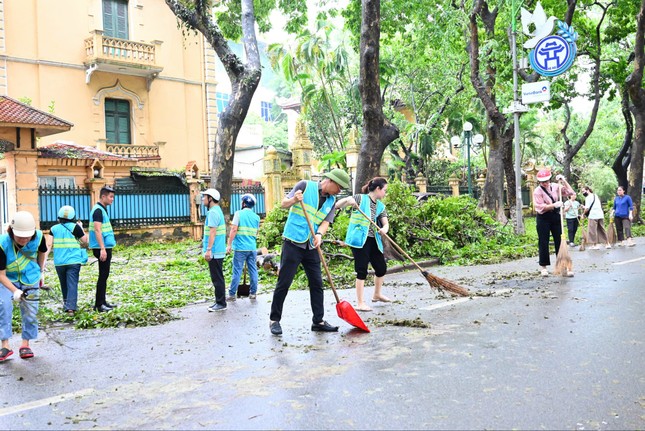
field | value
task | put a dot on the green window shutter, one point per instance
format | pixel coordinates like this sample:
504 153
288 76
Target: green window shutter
117 121
115 18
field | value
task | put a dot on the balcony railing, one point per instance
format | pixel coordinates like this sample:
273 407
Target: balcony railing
120 56
100 47
134 151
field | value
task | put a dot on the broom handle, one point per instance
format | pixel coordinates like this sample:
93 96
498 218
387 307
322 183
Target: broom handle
561 210
320 253
400 250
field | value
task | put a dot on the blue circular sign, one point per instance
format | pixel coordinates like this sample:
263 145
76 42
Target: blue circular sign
552 56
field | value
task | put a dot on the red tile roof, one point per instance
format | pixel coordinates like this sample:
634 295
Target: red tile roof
70 150
17 114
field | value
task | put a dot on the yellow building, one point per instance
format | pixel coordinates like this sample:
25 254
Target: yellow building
119 70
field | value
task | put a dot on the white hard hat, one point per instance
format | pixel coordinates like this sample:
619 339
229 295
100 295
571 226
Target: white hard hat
23 224
212 193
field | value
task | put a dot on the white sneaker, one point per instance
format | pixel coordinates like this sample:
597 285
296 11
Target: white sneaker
630 242
608 246
544 272
568 273
595 247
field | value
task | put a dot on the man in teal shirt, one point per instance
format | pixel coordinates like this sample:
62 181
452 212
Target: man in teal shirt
214 246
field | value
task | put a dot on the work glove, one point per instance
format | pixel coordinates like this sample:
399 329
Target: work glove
17 295
557 204
559 177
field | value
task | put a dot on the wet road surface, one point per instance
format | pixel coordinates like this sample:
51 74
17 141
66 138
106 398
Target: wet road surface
524 352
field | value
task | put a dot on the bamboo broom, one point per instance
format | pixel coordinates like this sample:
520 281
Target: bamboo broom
611 232
563 263
433 280
585 235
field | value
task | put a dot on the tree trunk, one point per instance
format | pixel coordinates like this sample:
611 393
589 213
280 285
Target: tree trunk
623 159
244 78
499 134
378 132
637 95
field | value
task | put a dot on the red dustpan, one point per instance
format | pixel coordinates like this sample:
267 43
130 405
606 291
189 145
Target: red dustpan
343 308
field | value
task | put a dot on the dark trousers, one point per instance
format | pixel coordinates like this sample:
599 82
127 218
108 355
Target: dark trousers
572 228
623 223
217 277
548 224
369 253
104 273
292 256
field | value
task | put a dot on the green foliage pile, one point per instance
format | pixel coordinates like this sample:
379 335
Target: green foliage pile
451 229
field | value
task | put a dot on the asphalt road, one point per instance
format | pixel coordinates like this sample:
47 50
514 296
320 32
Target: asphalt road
524 352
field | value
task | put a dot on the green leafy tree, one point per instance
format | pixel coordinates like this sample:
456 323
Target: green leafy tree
218 22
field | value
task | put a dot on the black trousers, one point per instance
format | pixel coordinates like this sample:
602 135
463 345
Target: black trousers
548 224
572 228
104 273
369 253
292 256
217 277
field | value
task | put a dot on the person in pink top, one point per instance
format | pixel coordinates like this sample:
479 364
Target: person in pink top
547 204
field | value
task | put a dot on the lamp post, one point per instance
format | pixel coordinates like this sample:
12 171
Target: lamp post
469 140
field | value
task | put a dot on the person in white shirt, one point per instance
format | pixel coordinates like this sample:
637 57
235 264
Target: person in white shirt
593 211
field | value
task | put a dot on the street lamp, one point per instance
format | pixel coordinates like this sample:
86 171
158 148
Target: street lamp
469 140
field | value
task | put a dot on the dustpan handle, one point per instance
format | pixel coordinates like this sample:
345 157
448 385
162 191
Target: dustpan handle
320 253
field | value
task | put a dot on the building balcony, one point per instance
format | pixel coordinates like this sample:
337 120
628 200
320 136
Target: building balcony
121 56
141 152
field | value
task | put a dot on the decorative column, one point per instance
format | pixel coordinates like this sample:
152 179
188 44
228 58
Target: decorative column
422 183
351 156
531 182
301 151
453 182
273 187
24 197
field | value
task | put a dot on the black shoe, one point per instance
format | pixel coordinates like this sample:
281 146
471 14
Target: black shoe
323 327
276 329
102 309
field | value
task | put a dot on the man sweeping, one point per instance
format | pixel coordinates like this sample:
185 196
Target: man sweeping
299 247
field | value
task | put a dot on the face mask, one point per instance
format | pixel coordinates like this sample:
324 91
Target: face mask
585 194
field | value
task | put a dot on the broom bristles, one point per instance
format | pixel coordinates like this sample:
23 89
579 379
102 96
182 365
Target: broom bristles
611 234
563 263
584 239
442 283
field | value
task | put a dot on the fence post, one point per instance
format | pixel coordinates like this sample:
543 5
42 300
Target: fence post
421 183
453 182
273 188
94 186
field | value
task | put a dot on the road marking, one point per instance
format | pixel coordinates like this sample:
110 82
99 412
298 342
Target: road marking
44 402
460 300
629 261
446 304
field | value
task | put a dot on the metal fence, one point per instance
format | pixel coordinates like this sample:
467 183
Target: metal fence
134 207
50 199
236 200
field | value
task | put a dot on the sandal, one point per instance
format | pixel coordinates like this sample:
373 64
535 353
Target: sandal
381 299
366 308
25 353
5 353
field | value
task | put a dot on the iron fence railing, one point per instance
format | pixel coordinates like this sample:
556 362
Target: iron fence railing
135 207
50 199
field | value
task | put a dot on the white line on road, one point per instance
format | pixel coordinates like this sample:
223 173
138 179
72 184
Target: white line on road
629 261
446 304
44 402
460 300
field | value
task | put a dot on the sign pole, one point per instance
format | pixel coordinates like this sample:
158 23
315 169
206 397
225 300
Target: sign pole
519 222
